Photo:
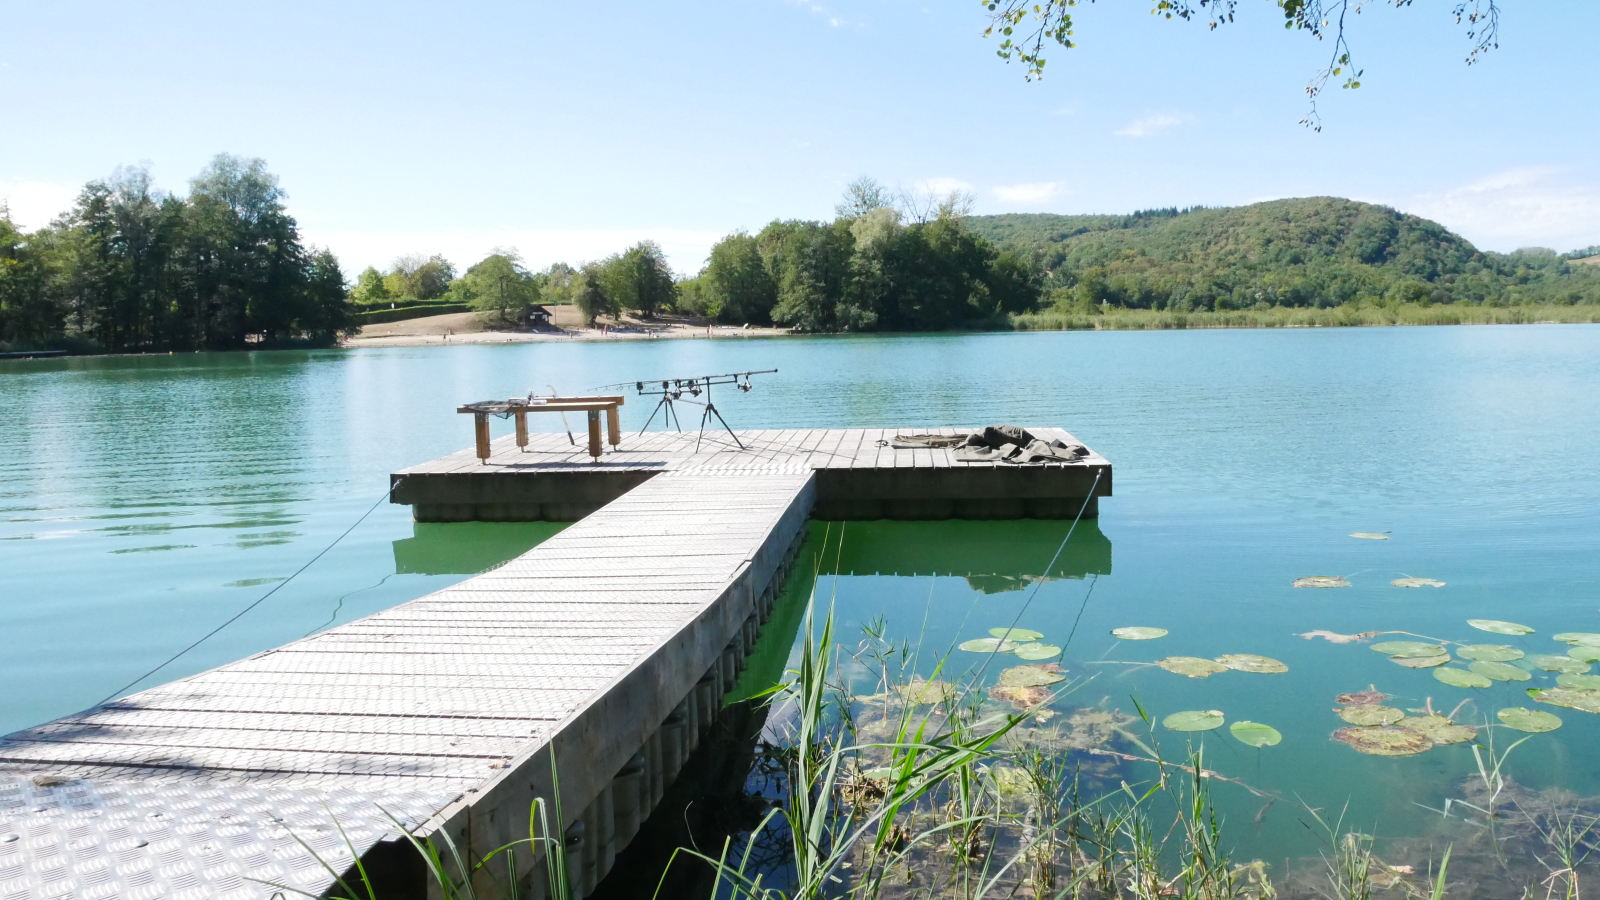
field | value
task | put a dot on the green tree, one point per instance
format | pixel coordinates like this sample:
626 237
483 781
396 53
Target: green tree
422 278
589 293
639 279
501 286
370 288
736 283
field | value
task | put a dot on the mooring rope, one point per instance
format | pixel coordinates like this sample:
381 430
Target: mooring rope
1040 583
258 601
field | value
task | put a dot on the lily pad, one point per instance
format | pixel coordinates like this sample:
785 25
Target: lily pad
1461 678
1580 682
1495 626
1499 671
1560 664
1489 652
1582 701
927 692
989 645
1019 635
1439 729
1321 581
1362 698
1529 720
1037 651
1584 653
1577 637
1371 715
1249 662
1194 720
1416 582
1420 662
1192 666
1408 648
1138 633
1369 535
1031 676
1255 734
1384 740
1021 697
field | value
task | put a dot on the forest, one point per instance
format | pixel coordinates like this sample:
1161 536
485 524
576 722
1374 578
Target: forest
131 268
1314 252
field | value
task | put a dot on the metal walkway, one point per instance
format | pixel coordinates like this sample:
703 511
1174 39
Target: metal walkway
441 711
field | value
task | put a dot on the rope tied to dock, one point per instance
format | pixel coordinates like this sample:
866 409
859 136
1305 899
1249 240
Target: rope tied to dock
257 602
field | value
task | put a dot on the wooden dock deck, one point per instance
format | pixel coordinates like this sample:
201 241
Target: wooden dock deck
859 476
610 646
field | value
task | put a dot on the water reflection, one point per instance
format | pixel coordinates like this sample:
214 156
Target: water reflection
466 548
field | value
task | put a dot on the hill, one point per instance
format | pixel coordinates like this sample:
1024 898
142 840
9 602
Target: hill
1316 252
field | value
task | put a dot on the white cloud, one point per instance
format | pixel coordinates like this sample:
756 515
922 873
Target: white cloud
1028 193
1527 206
941 187
1153 124
686 250
34 203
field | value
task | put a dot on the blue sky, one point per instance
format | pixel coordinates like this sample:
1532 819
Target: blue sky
569 130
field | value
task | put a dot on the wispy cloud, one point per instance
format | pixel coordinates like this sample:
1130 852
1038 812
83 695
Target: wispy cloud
1519 207
1037 192
34 203
1153 124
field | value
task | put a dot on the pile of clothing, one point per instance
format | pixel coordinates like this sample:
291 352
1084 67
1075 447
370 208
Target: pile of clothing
996 443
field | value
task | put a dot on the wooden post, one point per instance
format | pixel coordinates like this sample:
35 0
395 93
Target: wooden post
613 426
594 434
522 431
480 425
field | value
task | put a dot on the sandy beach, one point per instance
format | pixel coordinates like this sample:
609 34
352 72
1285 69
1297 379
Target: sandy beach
464 328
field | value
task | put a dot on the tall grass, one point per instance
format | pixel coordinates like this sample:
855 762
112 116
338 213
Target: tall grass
1347 315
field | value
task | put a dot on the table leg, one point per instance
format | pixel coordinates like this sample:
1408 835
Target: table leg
522 431
480 425
613 426
594 434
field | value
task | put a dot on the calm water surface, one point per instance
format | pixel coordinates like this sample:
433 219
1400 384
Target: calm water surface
145 500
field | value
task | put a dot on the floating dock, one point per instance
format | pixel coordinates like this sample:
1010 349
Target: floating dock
606 651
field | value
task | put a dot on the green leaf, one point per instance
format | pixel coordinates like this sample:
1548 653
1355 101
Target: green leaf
1019 635
1529 720
1138 633
1496 626
1420 662
1383 740
1585 653
1489 652
1321 581
1439 729
1255 734
1461 678
1037 651
1249 662
1559 664
1580 682
1499 671
1577 637
1194 720
1192 666
1031 676
1408 648
988 645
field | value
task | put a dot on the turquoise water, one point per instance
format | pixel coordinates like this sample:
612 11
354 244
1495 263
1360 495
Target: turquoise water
145 500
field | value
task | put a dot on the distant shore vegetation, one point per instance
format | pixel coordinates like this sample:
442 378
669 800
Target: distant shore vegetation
131 268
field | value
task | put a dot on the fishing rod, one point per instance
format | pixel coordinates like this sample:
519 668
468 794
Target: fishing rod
671 390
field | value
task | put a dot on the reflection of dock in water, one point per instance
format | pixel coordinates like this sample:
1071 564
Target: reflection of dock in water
610 645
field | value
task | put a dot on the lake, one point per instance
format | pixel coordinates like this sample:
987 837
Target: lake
146 500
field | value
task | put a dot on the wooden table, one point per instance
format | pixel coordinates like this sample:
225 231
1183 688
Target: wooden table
521 406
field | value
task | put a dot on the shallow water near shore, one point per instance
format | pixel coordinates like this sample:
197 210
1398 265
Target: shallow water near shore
145 500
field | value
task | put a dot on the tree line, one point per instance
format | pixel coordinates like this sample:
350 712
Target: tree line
133 268
1310 252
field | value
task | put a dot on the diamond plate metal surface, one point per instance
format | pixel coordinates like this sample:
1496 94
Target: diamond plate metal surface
225 783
